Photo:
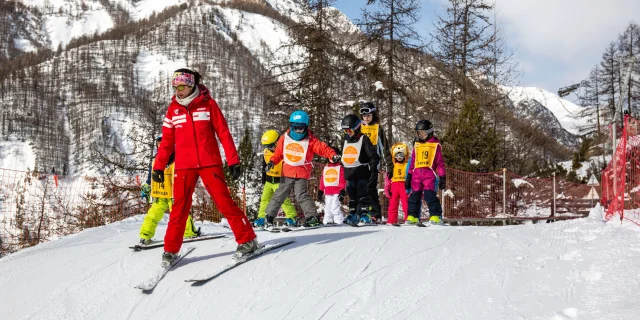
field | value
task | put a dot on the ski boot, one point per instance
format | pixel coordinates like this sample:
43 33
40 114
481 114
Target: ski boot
364 219
311 222
411 220
436 220
167 258
351 219
259 223
144 242
246 248
290 222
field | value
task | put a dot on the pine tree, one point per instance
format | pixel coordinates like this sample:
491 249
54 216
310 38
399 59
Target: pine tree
390 28
469 137
629 46
609 77
463 40
307 82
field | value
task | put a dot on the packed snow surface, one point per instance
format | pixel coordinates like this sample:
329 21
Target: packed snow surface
580 269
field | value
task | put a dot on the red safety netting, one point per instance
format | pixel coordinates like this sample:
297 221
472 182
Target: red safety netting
621 178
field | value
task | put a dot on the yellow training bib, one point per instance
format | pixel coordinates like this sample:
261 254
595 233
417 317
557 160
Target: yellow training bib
276 171
372 132
425 153
165 189
399 172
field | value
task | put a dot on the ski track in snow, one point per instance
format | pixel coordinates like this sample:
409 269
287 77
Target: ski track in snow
581 269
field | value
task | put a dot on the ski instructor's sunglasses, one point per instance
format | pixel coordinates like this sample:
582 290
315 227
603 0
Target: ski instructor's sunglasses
180 87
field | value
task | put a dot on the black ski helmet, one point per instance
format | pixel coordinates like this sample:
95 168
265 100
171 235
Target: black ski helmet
350 121
425 125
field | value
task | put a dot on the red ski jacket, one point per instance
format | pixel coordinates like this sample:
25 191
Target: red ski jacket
192 132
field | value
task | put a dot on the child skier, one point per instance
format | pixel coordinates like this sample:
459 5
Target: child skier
360 161
297 147
394 188
371 128
162 194
332 187
426 174
271 182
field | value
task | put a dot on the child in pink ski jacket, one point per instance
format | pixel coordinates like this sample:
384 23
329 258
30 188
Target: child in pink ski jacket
426 173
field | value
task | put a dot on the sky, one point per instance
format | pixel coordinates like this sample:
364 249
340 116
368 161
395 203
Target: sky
556 42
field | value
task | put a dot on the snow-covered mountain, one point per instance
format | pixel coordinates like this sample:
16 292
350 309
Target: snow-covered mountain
556 116
581 269
234 45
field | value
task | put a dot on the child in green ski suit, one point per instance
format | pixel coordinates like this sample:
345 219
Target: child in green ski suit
271 181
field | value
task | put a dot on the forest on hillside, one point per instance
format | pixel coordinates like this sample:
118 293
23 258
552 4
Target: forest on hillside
90 107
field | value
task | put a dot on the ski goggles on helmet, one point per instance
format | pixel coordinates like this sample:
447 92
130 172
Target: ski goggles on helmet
424 133
349 131
181 80
298 127
399 155
270 146
367 110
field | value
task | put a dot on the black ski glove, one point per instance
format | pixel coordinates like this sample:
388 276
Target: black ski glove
342 194
442 184
390 174
158 176
336 158
407 182
264 178
235 171
320 195
269 166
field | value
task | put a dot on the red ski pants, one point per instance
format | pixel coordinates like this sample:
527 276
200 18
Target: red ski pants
184 183
398 194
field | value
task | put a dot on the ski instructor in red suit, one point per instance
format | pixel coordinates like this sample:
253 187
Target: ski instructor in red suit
192 123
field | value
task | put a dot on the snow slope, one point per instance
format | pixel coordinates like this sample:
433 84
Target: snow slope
581 269
16 154
565 111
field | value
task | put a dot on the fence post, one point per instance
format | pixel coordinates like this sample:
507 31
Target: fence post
244 201
553 212
504 191
444 201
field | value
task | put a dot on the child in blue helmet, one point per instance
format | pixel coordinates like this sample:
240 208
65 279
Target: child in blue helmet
296 148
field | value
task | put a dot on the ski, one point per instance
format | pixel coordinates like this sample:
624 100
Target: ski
279 229
199 280
151 283
419 224
360 224
295 229
139 247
